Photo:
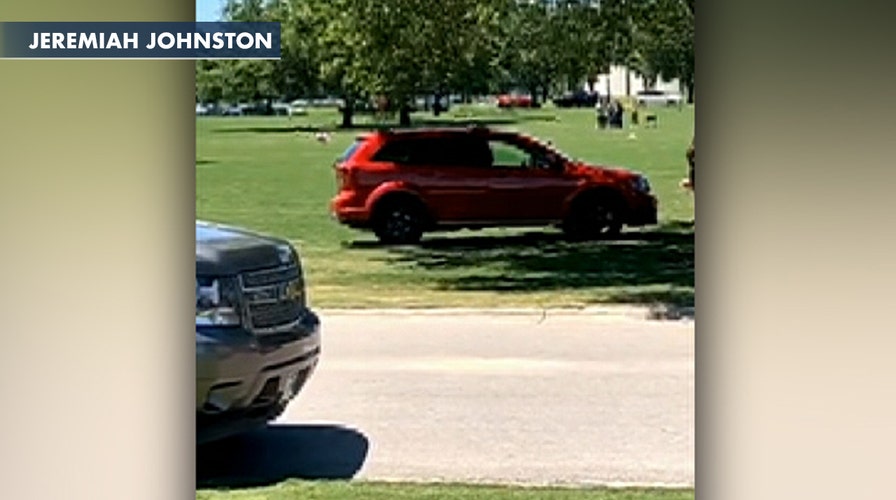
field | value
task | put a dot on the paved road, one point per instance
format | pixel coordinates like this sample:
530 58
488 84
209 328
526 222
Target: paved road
575 399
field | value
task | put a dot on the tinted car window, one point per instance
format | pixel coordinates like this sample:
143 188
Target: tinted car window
437 152
461 150
395 152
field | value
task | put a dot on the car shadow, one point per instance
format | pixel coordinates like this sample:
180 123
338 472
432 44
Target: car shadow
280 452
639 267
285 129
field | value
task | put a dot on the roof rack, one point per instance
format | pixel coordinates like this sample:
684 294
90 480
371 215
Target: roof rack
471 127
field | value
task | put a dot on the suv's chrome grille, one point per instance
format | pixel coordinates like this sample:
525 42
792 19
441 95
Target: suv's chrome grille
271 303
266 277
274 314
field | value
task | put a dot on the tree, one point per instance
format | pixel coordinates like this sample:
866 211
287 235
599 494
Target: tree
398 50
667 47
531 56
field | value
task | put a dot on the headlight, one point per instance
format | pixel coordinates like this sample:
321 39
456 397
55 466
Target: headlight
216 303
641 184
296 292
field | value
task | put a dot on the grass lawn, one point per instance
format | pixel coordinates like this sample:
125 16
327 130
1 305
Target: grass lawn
270 174
294 490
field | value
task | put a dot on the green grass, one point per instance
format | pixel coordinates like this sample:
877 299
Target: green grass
270 174
294 490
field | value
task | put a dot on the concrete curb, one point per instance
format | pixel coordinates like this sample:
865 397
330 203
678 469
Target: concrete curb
657 313
559 484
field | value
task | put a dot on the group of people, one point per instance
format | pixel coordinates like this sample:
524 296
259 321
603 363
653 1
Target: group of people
609 114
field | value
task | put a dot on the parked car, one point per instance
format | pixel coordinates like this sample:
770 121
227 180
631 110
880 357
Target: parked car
280 108
577 99
201 109
233 110
658 97
515 101
257 340
299 107
402 183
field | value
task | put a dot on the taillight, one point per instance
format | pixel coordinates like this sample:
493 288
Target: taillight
343 177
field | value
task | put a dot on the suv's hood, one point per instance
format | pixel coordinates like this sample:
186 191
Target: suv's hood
600 172
224 250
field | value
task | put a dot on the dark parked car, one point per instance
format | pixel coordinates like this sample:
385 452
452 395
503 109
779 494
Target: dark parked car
401 184
578 99
257 341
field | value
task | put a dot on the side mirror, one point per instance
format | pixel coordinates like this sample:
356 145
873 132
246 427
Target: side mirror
555 163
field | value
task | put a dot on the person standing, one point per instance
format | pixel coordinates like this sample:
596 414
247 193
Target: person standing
690 154
600 112
619 117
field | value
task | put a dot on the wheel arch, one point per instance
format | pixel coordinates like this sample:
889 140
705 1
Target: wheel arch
604 191
397 193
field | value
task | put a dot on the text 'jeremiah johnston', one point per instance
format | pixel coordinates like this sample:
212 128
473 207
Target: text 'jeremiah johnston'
165 41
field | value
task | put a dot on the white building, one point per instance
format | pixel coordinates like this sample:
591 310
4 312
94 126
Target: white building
624 82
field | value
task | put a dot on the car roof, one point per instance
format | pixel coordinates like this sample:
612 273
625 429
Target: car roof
442 131
449 131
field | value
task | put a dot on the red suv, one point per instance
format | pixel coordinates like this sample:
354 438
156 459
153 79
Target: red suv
401 184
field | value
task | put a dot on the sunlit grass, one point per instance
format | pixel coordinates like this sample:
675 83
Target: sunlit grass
270 174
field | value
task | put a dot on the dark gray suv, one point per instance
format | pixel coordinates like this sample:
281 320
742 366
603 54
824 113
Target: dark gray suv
257 341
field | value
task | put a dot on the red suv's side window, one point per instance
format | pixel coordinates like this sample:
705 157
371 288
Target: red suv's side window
399 151
438 151
509 155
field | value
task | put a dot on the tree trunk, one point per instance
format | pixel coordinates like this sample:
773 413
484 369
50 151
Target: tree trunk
347 112
404 116
437 104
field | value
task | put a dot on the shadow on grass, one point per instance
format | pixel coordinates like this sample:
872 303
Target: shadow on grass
649 267
284 129
281 452
426 122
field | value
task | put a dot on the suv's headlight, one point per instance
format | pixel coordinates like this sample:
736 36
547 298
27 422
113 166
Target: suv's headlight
216 304
641 184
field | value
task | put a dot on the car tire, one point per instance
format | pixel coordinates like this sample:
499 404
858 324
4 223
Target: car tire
399 222
595 216
277 411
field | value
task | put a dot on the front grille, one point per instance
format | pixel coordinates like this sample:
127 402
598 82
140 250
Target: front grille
274 314
272 298
267 277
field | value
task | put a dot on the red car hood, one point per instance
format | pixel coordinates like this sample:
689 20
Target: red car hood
600 172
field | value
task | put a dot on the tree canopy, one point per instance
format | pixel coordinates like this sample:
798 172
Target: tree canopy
401 49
